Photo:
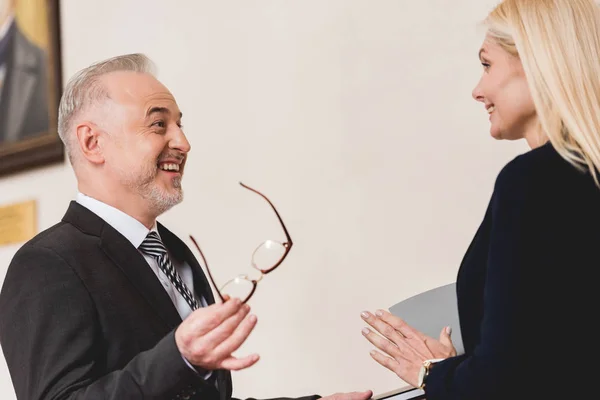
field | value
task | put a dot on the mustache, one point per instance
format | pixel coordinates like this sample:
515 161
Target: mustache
176 155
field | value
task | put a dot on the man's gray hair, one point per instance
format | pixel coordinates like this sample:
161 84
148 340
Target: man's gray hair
84 89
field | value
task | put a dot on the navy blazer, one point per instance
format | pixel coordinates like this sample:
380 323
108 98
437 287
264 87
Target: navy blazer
525 288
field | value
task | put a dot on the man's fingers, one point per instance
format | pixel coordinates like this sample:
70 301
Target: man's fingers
220 333
235 364
239 336
357 395
367 394
205 319
192 333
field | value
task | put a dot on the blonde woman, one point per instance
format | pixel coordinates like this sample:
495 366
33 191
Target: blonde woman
526 290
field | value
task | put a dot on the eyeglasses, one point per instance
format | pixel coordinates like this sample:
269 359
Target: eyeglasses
265 258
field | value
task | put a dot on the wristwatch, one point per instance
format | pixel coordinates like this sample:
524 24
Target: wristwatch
424 371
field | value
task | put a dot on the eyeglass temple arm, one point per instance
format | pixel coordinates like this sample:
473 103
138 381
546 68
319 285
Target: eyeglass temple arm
287 235
212 280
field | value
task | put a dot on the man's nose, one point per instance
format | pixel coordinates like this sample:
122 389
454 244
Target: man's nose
180 142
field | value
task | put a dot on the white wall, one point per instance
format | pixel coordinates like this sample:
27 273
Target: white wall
354 116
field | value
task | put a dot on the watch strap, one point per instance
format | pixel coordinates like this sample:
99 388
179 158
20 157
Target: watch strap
424 372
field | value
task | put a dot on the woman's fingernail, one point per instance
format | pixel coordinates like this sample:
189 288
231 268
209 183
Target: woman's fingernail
373 353
366 331
449 330
379 313
365 314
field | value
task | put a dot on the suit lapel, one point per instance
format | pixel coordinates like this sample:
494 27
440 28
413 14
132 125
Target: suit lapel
182 253
128 259
134 266
137 270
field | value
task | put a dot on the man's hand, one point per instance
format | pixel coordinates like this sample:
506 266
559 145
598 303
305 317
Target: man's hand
350 396
208 337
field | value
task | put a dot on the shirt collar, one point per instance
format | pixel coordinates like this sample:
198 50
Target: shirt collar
125 224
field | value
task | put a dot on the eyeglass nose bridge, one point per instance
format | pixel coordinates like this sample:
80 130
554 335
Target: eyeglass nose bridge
260 277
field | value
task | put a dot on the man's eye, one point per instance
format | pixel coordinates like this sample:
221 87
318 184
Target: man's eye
160 124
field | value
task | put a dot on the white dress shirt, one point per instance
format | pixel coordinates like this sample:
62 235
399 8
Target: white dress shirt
136 232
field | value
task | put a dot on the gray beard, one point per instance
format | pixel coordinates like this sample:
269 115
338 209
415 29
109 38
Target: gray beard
159 200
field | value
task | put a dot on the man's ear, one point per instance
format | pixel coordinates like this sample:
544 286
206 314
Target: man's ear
89 140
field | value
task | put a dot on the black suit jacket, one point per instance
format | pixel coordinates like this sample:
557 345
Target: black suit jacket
525 288
84 317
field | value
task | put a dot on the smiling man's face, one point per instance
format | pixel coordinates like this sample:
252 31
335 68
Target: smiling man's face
144 147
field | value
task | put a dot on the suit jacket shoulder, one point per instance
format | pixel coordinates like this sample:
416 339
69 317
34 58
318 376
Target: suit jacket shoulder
83 316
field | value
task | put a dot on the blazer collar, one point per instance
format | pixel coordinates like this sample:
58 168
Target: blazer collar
131 261
182 253
134 266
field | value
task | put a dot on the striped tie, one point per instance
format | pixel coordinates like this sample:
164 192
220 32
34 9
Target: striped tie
153 247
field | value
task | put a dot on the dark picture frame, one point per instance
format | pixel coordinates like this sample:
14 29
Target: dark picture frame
38 146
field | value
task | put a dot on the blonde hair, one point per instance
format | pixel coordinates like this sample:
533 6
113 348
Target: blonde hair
84 89
558 43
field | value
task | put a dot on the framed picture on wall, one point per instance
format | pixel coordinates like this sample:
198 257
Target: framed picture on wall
30 84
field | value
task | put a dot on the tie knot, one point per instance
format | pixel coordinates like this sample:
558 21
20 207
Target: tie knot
153 246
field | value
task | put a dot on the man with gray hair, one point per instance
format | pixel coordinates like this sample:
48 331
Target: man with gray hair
108 303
